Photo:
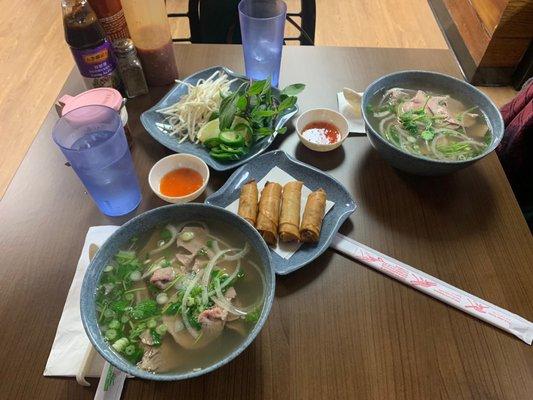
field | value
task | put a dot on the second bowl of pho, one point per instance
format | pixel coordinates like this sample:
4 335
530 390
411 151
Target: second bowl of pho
428 123
177 292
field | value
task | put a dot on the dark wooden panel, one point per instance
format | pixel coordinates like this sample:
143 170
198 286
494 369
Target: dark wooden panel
474 34
489 12
337 330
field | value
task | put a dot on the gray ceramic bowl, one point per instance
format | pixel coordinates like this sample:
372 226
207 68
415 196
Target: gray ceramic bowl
143 223
440 83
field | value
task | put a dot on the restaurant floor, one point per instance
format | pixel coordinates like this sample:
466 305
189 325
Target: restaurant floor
35 61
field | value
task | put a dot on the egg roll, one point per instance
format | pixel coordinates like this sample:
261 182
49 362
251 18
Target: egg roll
248 202
268 215
313 216
289 219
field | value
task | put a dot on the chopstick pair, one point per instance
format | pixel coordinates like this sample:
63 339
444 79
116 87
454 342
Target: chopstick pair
490 313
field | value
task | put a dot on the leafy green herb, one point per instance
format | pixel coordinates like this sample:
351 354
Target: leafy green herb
428 134
254 103
228 110
165 234
294 89
156 337
136 332
145 309
253 317
288 102
109 378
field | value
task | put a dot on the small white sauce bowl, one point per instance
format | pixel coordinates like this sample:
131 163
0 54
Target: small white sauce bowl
326 115
172 162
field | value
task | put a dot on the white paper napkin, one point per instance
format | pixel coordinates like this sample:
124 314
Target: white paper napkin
276 174
71 341
356 125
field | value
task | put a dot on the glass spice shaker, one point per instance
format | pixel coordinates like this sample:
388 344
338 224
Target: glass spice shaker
130 68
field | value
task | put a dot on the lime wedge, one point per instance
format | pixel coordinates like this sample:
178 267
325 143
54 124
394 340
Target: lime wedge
209 131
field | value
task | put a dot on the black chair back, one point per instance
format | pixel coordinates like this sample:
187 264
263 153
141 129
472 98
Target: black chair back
217 21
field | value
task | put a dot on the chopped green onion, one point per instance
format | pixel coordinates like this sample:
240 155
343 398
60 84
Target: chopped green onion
162 298
108 268
161 329
111 334
186 236
151 323
115 324
121 344
135 276
130 350
109 313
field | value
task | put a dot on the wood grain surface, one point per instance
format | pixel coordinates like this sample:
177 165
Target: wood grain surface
34 62
337 330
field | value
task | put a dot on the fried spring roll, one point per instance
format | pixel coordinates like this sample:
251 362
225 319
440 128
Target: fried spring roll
313 216
268 215
248 202
289 220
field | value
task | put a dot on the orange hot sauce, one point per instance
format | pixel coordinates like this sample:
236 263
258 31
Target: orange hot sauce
321 132
180 182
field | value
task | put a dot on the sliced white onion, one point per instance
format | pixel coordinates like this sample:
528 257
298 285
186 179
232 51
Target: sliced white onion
190 329
205 298
218 240
227 306
221 301
161 298
239 255
135 276
381 114
178 326
174 233
211 264
191 223
229 280
216 247
157 265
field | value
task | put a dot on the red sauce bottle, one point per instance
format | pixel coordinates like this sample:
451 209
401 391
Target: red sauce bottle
150 32
111 16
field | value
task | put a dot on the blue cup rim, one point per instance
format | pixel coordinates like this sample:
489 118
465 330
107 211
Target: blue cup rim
283 12
64 117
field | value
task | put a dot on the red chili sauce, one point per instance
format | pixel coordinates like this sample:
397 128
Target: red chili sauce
321 132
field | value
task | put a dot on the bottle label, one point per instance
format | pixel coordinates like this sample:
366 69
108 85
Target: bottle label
115 26
97 65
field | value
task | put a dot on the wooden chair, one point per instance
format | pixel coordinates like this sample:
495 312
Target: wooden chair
229 29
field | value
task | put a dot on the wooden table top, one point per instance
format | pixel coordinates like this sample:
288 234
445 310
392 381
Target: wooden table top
337 330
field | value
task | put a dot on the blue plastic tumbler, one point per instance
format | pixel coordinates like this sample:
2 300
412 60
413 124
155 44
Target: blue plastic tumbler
93 141
262 30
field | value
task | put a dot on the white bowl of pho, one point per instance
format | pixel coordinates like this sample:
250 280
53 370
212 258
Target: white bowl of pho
428 123
177 292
